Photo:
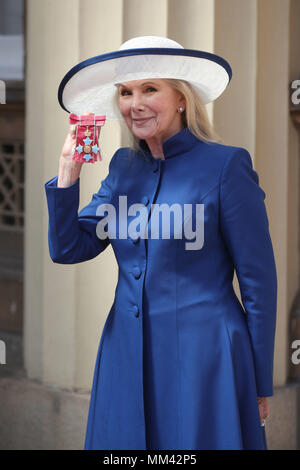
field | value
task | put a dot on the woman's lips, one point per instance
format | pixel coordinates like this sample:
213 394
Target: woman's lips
141 121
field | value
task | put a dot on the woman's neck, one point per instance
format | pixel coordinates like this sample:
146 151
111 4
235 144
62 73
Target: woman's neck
155 144
156 148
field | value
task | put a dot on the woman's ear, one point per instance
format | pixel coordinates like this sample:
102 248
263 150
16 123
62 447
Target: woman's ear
181 100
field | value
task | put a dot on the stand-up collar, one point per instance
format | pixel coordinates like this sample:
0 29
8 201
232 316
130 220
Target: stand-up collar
178 144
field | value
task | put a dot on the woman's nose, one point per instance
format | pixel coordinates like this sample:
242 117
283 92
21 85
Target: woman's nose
137 102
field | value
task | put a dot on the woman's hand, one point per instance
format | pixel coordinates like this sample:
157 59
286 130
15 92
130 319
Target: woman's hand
69 170
263 407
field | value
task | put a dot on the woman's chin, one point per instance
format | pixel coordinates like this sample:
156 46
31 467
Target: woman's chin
143 133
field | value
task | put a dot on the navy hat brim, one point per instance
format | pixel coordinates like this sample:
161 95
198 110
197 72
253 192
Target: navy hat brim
90 85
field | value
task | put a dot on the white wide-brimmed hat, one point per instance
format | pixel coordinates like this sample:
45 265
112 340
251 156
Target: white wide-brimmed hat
90 85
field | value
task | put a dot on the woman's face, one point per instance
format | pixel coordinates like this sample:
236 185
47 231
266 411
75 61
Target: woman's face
150 108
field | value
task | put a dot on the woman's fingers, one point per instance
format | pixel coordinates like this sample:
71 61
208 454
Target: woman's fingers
73 131
266 409
263 406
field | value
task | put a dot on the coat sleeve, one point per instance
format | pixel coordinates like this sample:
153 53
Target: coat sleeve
245 228
72 236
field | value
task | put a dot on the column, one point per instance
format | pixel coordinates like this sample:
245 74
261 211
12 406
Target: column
276 160
65 305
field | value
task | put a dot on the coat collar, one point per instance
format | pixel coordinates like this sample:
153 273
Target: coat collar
178 144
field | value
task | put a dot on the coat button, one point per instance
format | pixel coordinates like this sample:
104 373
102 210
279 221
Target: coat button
136 271
145 200
135 310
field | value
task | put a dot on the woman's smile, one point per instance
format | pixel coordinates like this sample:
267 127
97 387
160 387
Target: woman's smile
141 121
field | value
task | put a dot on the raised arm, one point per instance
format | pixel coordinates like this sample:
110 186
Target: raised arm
72 237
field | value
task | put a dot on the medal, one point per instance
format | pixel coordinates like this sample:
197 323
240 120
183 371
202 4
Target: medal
87 148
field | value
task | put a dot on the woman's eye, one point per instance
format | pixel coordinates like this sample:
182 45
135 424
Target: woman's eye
127 92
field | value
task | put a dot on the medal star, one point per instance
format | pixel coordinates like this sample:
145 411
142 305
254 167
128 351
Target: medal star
87 157
95 148
79 148
87 141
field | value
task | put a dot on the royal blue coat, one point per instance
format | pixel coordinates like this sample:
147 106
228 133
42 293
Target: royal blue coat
181 361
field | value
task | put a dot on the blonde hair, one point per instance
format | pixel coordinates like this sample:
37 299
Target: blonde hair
195 115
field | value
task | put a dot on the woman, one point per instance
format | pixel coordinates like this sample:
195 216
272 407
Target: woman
181 364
